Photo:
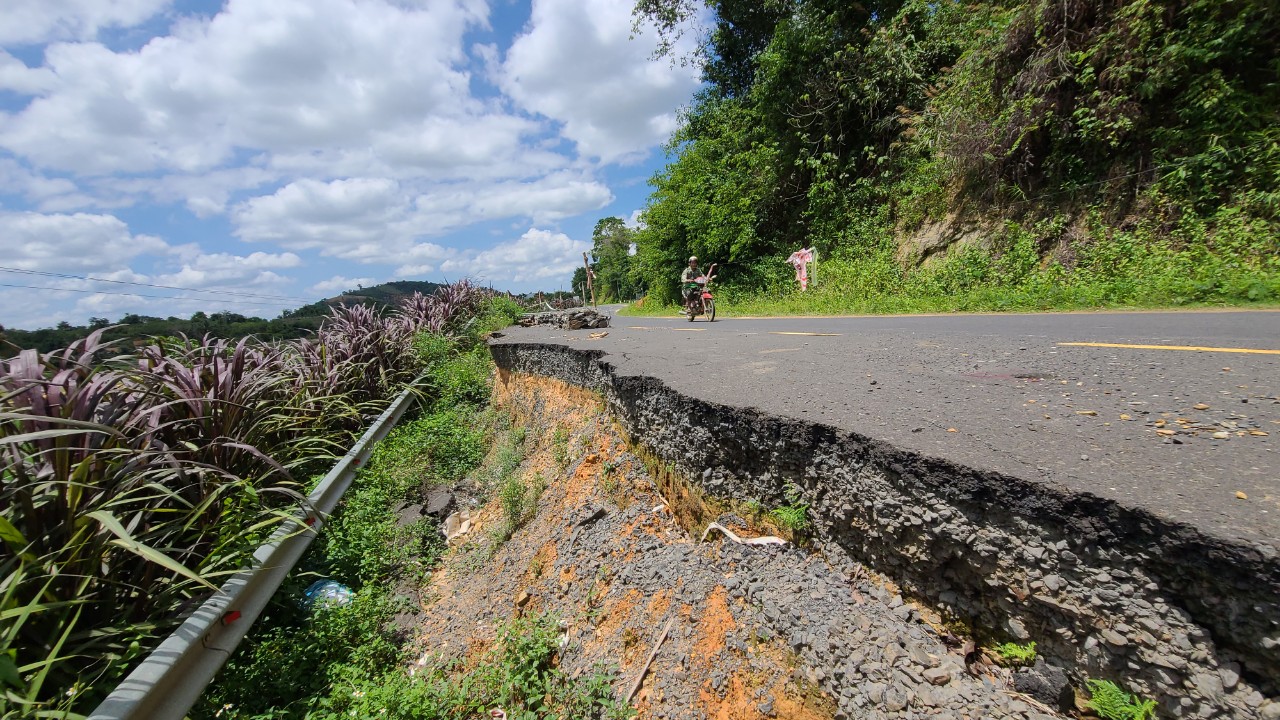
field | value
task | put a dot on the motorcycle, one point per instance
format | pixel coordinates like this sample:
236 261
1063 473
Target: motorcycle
700 301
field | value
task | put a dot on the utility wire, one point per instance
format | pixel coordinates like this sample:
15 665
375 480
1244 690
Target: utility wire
151 285
154 297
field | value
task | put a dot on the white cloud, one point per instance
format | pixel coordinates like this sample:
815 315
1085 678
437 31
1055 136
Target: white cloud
313 214
283 76
338 284
72 243
14 178
325 131
102 246
537 255
576 64
37 21
380 220
16 76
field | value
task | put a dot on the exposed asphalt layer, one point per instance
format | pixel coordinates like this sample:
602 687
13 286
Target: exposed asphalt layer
1006 393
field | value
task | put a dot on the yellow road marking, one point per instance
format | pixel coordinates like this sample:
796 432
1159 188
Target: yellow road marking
1193 348
690 329
808 334
766 352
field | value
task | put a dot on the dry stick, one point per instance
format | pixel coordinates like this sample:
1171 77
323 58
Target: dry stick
644 669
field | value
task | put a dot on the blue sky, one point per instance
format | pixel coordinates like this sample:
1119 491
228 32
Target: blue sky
289 150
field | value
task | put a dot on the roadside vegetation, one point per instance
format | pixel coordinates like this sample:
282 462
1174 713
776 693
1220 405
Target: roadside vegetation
354 660
133 482
290 325
1016 155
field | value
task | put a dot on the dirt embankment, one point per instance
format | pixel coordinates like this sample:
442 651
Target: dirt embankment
1105 591
755 631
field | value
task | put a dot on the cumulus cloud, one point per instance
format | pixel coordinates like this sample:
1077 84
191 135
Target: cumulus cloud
72 243
16 76
313 214
323 131
575 64
37 21
381 220
285 76
103 247
537 255
338 284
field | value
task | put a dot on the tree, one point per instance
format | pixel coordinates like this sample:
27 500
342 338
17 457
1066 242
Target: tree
614 264
579 282
98 322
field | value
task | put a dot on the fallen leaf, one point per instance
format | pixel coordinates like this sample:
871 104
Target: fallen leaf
1160 423
1166 432
1200 406
1125 416
952 430
597 336
1031 402
1221 435
1259 433
1226 369
1086 412
1241 495
1046 417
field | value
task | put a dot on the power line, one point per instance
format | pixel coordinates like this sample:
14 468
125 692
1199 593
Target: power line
154 297
151 285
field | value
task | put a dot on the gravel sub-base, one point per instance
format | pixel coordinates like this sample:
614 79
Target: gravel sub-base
759 631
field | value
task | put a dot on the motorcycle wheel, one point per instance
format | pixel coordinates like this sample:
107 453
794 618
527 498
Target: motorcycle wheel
711 310
692 312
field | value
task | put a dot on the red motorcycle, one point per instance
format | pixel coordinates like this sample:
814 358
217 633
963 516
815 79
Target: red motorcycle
700 301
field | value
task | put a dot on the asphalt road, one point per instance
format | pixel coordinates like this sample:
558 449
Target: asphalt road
1010 393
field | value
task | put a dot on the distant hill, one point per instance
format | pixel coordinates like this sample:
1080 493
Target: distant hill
379 295
296 323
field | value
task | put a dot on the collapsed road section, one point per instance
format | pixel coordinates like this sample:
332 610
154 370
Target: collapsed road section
1105 590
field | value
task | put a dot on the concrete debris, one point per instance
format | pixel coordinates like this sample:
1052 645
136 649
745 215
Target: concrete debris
577 319
457 525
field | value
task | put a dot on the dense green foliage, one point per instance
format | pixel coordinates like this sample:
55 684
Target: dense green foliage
294 658
132 483
349 661
948 155
616 276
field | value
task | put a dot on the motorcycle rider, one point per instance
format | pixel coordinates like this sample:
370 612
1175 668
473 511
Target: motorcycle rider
688 282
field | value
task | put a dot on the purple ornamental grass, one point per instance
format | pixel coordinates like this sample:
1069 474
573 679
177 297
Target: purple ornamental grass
131 484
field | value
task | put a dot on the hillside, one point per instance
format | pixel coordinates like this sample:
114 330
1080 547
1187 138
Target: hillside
946 155
290 324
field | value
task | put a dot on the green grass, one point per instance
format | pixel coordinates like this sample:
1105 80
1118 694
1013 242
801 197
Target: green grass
1225 261
293 662
521 675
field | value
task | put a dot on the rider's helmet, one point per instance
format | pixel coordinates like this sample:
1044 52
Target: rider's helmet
693 258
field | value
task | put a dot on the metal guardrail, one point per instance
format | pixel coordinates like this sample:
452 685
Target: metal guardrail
171 679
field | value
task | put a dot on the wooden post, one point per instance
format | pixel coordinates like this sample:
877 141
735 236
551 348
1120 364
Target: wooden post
590 285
